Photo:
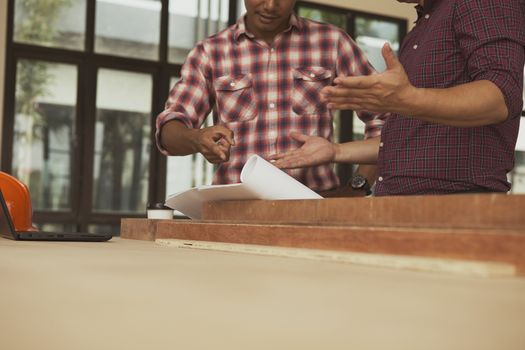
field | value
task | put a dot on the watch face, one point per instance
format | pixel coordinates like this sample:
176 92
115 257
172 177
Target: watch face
358 181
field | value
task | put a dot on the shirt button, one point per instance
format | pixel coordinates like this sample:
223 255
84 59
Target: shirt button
312 75
272 105
414 47
427 16
380 178
381 144
232 84
272 134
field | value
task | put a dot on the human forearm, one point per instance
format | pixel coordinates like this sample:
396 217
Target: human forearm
177 139
468 105
213 142
357 152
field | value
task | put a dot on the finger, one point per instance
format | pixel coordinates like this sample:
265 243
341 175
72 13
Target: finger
327 91
219 151
229 137
346 93
289 154
360 82
275 156
222 132
289 162
220 139
350 99
346 106
390 57
298 136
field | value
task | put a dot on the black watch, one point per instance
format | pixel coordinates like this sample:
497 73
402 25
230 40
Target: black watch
360 182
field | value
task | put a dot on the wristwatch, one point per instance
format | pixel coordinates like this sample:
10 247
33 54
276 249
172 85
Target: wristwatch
359 182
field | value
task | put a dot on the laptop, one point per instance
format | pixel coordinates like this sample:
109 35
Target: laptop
7 230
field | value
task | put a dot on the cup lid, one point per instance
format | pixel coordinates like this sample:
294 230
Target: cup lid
158 206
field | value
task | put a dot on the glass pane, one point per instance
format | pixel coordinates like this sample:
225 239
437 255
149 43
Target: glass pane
129 28
122 141
188 171
241 9
191 21
371 35
358 127
55 23
336 18
46 96
517 177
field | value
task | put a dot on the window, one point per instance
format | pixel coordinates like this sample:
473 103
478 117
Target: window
43 131
85 81
129 28
197 20
53 23
122 141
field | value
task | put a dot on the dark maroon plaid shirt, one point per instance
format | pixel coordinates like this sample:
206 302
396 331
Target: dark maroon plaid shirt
456 42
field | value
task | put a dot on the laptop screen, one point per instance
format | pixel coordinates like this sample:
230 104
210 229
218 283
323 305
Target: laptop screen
6 224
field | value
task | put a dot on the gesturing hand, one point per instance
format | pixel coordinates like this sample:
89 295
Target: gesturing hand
314 151
384 92
215 142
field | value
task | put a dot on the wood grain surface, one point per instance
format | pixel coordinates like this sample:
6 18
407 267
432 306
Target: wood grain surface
469 244
136 295
476 227
141 229
451 211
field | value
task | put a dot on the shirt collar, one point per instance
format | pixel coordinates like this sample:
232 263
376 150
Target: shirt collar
240 27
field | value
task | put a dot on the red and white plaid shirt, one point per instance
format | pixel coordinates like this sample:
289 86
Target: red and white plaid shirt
263 92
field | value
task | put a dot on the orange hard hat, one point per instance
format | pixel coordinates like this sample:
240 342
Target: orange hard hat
18 202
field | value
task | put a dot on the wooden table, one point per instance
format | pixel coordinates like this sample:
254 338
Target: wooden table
127 294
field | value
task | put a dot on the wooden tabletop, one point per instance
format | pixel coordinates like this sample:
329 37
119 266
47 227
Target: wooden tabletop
127 294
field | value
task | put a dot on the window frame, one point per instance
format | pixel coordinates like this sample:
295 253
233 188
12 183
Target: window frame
87 63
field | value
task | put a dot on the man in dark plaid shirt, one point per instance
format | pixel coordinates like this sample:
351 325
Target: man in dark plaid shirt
456 96
262 78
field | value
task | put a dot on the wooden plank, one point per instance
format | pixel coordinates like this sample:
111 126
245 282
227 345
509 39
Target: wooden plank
141 229
451 211
497 245
399 262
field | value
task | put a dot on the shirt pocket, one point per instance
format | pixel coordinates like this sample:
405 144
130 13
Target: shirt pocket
235 98
307 84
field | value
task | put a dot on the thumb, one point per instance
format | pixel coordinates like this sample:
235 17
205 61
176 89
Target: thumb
298 137
390 57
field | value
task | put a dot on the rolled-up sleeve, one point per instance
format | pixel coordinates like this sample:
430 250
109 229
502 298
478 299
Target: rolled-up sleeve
189 99
491 35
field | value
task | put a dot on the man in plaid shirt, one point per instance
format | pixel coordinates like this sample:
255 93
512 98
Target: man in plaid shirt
262 78
456 96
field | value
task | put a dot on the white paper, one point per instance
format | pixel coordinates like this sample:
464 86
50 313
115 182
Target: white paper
259 180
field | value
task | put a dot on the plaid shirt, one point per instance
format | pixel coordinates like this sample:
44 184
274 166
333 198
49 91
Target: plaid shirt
264 92
456 42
